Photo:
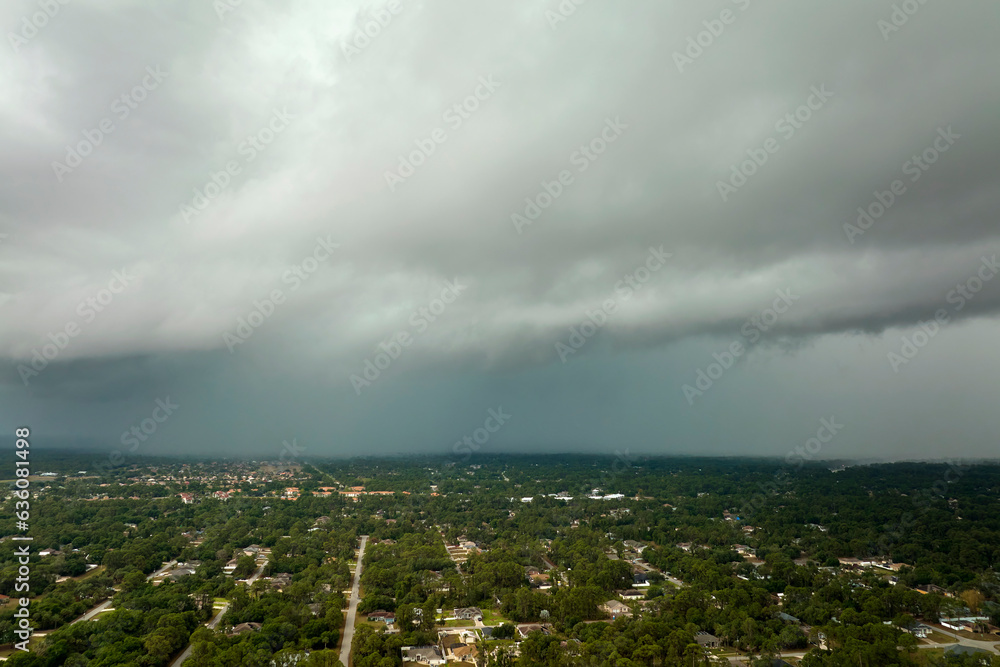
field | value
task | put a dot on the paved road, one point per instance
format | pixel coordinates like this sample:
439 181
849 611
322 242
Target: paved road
990 646
211 626
166 566
215 619
104 605
345 649
93 612
256 575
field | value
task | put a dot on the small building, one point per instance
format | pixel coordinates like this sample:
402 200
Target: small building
465 653
242 628
469 614
525 629
427 655
382 616
614 608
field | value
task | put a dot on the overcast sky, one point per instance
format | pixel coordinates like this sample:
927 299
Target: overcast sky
438 193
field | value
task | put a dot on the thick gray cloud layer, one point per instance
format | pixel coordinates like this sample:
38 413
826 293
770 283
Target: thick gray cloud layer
834 103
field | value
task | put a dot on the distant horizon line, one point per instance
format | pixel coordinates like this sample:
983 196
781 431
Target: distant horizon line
79 450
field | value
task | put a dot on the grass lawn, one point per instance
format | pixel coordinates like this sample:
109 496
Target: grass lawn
493 617
935 637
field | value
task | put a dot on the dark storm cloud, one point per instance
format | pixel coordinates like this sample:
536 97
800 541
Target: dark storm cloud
286 122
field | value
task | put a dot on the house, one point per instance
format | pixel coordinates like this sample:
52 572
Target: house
889 565
427 655
614 608
382 616
525 629
469 614
635 546
538 578
465 653
706 640
243 627
931 588
251 550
